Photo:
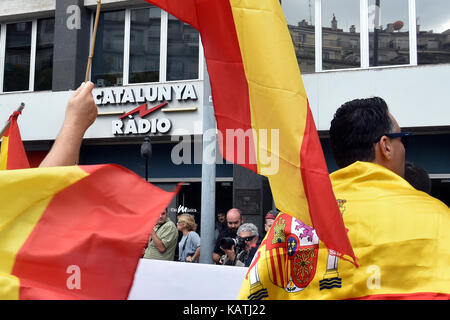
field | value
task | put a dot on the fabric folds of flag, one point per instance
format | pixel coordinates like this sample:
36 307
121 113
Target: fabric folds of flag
399 235
12 154
74 232
261 107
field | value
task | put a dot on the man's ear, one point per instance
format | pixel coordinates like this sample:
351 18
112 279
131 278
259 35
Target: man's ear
385 148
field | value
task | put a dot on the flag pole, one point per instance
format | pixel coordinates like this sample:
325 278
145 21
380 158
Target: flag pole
8 123
94 34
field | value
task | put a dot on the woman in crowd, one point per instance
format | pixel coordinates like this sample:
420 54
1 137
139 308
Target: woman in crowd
189 246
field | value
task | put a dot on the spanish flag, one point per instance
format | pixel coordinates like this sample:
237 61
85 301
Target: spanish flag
12 153
259 98
74 232
399 234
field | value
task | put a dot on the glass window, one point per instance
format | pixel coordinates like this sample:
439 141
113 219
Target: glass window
17 57
300 19
145 40
44 54
433 31
107 66
340 34
388 32
182 50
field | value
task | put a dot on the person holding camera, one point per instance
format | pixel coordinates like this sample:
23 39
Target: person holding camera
234 221
240 251
189 246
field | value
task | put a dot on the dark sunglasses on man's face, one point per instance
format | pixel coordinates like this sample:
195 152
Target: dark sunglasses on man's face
402 135
248 239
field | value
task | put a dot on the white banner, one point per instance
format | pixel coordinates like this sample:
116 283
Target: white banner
170 280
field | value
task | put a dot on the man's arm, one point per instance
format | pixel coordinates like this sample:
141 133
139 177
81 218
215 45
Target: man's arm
81 112
158 243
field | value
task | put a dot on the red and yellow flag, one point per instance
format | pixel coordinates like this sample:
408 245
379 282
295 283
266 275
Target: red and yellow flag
74 232
398 233
259 97
12 153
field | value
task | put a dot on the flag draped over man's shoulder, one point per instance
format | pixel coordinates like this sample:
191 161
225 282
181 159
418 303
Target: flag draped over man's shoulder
74 232
259 95
399 234
12 153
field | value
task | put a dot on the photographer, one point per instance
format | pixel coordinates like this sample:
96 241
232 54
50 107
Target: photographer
234 221
240 251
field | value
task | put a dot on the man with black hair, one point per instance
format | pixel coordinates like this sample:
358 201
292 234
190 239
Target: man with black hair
392 226
399 235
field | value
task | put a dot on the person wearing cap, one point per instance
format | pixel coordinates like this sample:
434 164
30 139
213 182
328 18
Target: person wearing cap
269 219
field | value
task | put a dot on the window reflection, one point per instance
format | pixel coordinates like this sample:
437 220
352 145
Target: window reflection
388 32
300 19
433 31
17 57
145 45
340 34
107 67
182 50
44 54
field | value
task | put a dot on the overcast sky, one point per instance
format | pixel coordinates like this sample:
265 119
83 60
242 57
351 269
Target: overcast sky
431 14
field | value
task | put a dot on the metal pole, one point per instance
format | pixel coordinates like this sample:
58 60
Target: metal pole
208 205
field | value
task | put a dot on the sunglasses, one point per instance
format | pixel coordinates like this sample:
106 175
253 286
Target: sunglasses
249 238
402 135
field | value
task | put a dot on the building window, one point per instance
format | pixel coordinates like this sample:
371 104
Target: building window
144 45
388 32
145 39
107 66
300 19
17 57
44 55
182 50
340 34
433 31
26 49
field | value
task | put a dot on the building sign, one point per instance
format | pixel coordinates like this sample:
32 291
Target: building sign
126 124
151 99
166 92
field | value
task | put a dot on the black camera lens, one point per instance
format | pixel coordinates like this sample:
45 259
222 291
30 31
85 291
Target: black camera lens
227 243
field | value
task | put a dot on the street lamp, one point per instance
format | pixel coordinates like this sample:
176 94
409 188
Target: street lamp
146 153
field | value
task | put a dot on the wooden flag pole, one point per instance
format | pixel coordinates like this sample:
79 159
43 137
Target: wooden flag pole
8 123
91 54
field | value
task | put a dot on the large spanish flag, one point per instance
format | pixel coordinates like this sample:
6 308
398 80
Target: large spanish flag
74 232
259 97
12 153
399 234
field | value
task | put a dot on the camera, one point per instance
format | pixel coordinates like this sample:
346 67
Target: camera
228 243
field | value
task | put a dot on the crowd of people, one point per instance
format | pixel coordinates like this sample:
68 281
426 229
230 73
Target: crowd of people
236 242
